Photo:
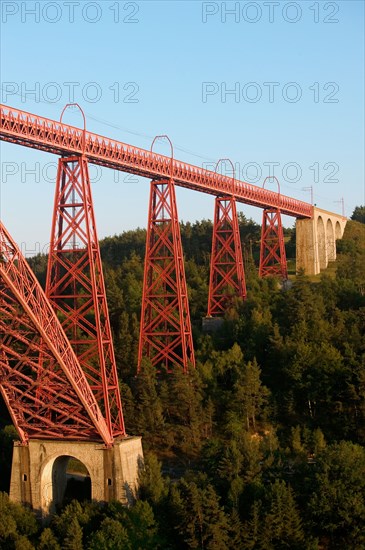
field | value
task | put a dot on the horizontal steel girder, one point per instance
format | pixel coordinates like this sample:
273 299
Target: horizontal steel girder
37 132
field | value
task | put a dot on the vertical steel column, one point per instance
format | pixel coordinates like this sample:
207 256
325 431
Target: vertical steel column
75 286
227 277
165 333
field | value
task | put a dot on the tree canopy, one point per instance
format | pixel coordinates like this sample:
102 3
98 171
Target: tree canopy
262 445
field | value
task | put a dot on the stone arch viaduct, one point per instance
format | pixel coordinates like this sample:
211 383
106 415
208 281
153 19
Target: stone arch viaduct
316 240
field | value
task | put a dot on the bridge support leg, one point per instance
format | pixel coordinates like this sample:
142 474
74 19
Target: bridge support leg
75 286
165 333
272 251
307 257
227 277
40 473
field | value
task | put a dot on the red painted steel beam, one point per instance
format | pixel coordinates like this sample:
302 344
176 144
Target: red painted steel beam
55 137
41 380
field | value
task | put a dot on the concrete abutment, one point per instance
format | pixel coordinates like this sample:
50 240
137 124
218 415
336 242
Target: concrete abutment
38 477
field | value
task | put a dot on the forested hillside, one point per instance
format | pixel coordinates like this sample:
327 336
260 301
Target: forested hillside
262 446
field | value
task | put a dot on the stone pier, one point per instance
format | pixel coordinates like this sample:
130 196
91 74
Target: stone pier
38 477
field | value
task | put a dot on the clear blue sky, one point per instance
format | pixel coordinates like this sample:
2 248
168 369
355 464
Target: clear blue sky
295 70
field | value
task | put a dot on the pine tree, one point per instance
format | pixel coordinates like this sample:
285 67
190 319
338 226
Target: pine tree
111 536
23 543
337 504
282 524
235 529
48 541
142 527
201 522
185 410
229 470
319 442
250 395
73 536
296 441
251 529
148 409
153 486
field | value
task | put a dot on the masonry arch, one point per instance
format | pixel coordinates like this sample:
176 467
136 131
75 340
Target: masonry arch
338 231
322 243
330 241
64 478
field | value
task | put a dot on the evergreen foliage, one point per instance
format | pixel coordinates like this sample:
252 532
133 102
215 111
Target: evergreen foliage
261 446
358 214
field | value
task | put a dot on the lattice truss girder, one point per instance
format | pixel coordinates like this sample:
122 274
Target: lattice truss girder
75 286
58 138
227 276
272 249
165 335
41 380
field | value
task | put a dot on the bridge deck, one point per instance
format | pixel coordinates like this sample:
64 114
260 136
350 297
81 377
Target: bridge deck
55 137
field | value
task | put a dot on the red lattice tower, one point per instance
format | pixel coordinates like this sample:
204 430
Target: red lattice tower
227 276
166 335
49 402
165 331
75 286
272 250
